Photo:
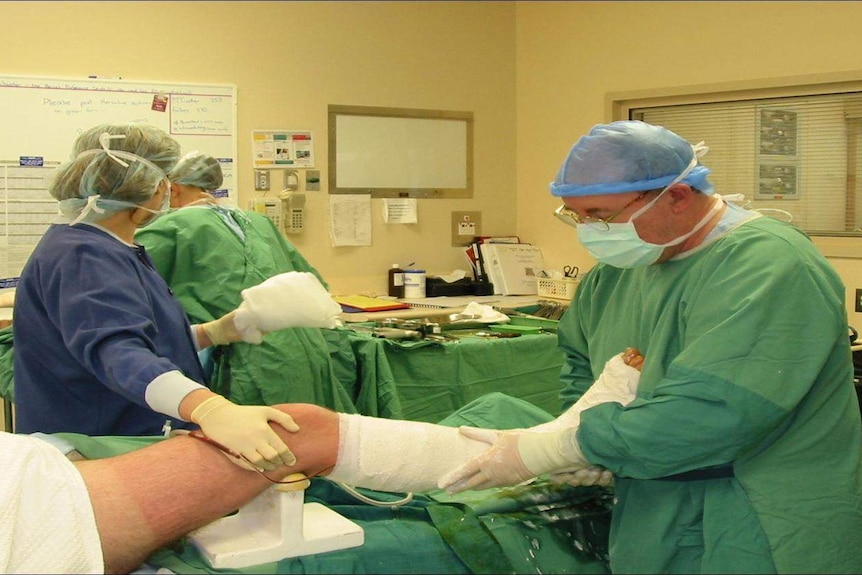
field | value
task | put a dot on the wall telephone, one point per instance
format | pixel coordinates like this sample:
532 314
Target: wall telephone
287 211
292 211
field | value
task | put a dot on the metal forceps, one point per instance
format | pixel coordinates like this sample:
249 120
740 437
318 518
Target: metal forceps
570 271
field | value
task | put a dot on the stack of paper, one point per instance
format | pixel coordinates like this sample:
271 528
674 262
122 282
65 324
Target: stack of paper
512 268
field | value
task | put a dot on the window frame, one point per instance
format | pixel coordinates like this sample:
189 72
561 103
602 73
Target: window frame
620 105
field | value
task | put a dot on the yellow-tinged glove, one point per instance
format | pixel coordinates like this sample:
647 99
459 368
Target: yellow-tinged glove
245 429
223 330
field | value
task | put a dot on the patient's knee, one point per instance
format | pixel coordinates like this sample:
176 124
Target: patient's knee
309 413
316 442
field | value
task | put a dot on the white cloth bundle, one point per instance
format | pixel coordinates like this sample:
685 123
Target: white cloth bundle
476 311
291 299
46 519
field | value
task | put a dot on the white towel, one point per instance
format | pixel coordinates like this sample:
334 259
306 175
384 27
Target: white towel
46 520
291 299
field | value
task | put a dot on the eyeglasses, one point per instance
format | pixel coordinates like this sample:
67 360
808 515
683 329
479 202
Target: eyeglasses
571 217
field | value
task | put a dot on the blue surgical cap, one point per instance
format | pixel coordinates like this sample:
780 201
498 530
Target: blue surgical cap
627 156
198 170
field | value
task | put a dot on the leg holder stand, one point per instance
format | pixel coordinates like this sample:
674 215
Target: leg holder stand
277 524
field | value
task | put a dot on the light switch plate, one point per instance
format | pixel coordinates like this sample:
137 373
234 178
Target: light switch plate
465 227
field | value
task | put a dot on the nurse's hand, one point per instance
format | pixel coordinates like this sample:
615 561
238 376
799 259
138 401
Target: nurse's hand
221 331
245 430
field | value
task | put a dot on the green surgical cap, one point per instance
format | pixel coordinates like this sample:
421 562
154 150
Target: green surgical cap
627 156
199 170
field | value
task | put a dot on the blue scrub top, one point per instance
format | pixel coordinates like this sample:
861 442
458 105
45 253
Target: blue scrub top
95 324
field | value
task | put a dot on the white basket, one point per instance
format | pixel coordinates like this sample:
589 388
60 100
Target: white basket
563 288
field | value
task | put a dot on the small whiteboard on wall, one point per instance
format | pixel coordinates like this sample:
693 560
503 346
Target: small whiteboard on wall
400 152
41 117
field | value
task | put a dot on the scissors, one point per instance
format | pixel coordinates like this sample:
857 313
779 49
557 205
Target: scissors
570 271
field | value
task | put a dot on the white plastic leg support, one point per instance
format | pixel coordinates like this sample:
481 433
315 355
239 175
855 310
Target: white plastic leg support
275 525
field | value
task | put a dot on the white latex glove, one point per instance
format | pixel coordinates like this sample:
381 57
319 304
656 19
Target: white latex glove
245 430
618 382
291 299
590 475
514 457
223 330
518 455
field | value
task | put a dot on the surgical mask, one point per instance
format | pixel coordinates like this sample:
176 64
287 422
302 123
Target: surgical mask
164 208
620 245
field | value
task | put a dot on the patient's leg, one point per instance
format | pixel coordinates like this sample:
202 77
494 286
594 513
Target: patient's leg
147 498
393 455
396 455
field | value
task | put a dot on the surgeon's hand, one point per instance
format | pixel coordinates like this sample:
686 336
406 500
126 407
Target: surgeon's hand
618 383
245 430
588 476
514 457
222 331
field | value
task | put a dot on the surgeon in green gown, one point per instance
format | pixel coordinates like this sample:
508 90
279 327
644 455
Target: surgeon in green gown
742 452
208 254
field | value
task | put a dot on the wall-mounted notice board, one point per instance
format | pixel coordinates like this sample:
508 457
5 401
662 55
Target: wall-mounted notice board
40 118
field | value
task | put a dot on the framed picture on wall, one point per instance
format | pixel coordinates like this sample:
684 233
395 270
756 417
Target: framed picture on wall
777 154
778 181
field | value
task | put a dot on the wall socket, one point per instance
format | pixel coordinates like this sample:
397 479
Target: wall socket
858 300
465 226
261 181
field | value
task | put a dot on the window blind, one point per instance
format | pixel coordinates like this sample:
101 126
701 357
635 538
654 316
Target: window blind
795 158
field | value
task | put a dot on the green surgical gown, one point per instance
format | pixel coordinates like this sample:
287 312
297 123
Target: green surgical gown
747 365
207 265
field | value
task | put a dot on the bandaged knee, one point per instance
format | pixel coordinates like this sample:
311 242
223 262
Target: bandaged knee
397 455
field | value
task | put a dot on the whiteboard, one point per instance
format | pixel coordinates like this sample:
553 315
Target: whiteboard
400 152
41 117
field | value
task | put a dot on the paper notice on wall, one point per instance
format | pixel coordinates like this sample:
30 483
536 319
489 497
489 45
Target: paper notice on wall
400 211
276 149
350 219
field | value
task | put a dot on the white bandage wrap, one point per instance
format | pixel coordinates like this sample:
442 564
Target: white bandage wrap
618 382
396 455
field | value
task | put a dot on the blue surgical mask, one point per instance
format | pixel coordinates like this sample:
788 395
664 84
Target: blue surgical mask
620 245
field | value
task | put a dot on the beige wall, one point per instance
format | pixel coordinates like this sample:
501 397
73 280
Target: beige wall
535 74
571 54
289 60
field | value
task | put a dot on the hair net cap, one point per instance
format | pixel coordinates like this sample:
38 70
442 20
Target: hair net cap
199 170
113 167
627 156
